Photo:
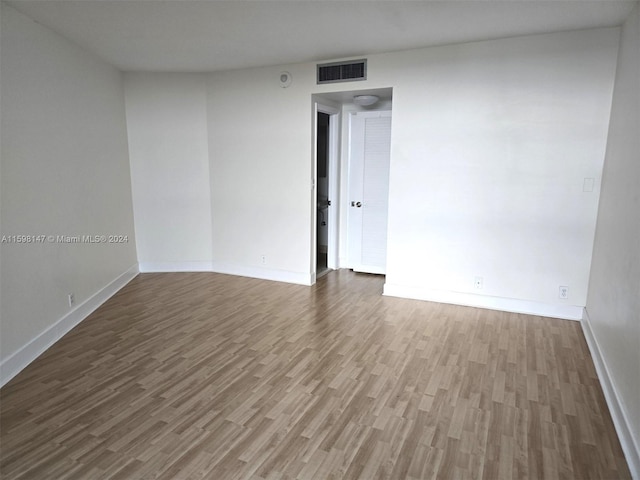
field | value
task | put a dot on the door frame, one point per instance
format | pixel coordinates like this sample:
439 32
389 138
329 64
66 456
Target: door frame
322 106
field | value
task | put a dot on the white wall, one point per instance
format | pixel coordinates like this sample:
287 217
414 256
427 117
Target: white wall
65 171
612 320
1 153
260 151
168 147
491 144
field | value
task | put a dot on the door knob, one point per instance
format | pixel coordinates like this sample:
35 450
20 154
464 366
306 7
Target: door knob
356 204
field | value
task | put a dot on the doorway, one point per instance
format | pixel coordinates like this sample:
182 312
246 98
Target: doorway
322 193
334 209
325 228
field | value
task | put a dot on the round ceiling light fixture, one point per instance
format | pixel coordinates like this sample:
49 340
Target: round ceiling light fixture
365 100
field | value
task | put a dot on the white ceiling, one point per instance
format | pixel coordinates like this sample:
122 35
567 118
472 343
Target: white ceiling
188 35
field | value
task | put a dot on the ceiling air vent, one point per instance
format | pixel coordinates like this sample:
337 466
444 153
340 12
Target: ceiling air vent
342 71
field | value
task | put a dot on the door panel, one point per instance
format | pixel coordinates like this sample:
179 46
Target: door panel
370 136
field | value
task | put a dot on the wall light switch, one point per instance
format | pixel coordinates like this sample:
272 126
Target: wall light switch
587 186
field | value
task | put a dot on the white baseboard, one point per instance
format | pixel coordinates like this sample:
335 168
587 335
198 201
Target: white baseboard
263 273
228 269
567 312
15 363
630 445
158 267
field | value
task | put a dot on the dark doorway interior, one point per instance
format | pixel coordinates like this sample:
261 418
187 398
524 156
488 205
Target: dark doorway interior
322 166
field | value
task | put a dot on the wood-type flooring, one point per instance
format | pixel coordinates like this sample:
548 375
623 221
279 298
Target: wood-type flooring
208 376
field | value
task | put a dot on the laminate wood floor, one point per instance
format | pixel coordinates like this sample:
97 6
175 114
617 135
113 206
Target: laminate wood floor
207 376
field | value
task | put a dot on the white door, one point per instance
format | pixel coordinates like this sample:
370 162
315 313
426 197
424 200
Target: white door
370 151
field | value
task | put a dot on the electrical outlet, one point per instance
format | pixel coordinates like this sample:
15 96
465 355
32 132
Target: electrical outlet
264 259
477 282
72 299
563 292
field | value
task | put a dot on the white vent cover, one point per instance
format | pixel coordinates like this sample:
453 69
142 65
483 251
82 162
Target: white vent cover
350 71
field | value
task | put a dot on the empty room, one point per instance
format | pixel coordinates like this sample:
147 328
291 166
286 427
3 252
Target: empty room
319 239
